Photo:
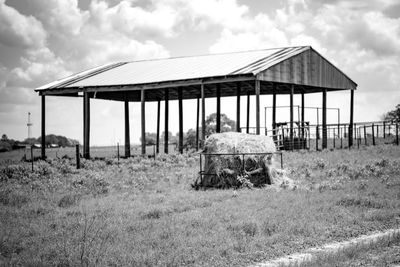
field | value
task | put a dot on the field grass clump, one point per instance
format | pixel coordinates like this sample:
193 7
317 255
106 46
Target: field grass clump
144 212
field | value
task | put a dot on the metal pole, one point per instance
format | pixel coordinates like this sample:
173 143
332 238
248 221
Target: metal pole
351 118
384 130
78 160
127 134
203 115
218 117
257 88
43 148
291 118
197 123
373 134
32 156
158 127
143 120
118 153
365 134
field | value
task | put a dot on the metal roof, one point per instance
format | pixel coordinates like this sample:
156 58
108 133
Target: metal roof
179 68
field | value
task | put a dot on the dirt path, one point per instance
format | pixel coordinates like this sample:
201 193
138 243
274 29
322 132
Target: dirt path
331 248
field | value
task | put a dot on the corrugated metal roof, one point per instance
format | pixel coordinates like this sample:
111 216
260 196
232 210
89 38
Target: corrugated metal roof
180 68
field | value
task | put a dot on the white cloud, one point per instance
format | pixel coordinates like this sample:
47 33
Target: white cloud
17 30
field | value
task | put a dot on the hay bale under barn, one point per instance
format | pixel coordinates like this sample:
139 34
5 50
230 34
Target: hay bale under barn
224 171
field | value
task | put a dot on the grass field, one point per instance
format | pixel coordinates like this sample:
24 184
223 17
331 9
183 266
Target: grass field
70 152
143 212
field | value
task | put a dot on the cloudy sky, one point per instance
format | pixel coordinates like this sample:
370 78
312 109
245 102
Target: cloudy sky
43 40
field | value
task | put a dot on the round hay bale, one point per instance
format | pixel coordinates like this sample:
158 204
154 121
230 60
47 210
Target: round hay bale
222 171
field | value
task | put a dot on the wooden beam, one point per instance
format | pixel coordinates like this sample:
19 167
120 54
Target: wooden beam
324 127
257 91
143 120
218 117
238 90
180 120
248 112
197 123
86 125
127 134
351 118
158 127
43 148
274 110
203 116
291 117
166 97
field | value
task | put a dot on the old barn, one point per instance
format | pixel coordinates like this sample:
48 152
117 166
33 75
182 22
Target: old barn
289 70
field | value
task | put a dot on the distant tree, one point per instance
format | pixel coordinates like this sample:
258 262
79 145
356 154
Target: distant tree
189 140
227 125
5 146
4 137
59 140
31 141
151 138
171 138
393 115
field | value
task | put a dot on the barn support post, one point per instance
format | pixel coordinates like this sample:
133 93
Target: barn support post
238 107
143 120
351 118
127 136
166 106
274 111
318 137
158 127
197 123
257 92
86 125
43 125
180 120
203 116
324 128
303 144
248 112
291 118
218 117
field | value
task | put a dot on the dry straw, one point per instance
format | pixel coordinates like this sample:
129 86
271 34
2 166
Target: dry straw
223 171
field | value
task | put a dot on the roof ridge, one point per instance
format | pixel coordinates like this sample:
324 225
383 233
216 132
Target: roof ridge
216 54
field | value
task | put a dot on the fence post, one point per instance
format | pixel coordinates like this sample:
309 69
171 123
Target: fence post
334 141
316 138
32 156
118 152
373 134
78 159
365 134
397 133
341 138
384 130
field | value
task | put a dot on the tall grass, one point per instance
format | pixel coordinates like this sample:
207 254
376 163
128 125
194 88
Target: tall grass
143 212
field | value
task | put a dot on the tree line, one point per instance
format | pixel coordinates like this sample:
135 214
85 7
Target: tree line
189 138
7 144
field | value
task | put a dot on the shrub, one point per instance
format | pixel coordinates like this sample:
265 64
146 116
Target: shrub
13 197
68 200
